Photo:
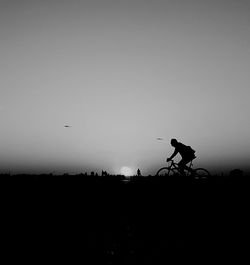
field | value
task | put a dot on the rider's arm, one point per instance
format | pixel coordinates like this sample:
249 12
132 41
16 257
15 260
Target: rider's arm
173 155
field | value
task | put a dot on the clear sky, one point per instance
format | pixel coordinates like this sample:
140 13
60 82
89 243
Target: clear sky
121 74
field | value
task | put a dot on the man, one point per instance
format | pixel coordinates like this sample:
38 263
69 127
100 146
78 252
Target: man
186 152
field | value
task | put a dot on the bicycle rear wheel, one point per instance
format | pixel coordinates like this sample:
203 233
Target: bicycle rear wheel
201 173
166 171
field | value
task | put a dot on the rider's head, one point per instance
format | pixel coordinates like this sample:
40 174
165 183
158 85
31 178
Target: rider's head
173 142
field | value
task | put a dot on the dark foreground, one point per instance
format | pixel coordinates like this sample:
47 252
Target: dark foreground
149 220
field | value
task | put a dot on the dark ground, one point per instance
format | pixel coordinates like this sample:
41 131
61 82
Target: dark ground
149 220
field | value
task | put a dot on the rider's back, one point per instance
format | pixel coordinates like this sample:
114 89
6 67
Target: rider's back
185 150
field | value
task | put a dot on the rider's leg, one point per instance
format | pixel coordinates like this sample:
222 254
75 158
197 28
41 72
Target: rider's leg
182 166
189 167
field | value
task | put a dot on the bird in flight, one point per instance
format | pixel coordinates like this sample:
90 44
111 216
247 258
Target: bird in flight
67 126
159 139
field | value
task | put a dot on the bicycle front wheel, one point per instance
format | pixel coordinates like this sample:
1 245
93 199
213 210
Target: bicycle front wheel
166 171
201 173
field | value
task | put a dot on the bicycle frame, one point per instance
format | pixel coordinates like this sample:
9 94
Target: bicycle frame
175 166
197 173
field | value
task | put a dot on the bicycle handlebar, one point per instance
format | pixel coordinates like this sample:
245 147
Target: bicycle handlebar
170 161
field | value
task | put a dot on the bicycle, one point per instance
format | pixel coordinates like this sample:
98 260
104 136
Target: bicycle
173 170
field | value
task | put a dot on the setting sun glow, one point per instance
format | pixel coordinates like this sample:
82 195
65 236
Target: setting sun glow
126 171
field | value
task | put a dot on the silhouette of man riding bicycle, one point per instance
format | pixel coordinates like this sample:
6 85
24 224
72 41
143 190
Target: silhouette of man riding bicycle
186 152
188 155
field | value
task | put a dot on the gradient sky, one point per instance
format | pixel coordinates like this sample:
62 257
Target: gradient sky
123 73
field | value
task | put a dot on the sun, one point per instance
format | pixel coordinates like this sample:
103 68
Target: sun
126 171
